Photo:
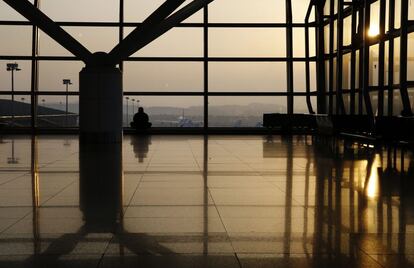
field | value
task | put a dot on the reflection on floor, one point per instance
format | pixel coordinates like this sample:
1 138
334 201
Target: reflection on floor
195 201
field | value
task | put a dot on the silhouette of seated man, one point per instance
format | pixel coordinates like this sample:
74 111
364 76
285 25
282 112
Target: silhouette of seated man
141 120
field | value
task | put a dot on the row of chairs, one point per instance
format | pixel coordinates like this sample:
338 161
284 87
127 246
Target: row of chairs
389 128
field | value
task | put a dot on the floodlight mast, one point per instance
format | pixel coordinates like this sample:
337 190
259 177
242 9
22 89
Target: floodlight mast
12 67
66 82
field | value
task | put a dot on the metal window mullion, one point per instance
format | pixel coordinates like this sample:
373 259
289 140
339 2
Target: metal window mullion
205 68
307 70
320 58
361 59
289 54
121 28
403 57
353 58
391 18
340 107
381 63
331 59
365 49
34 76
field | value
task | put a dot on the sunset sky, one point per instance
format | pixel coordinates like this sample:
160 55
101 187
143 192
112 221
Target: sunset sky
179 42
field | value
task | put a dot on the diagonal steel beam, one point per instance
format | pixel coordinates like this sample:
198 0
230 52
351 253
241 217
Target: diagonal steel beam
127 46
39 19
148 34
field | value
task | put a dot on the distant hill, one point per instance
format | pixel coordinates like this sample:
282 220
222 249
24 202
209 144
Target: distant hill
252 109
47 117
22 108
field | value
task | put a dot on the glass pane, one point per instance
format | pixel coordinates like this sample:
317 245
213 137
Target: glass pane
327 8
93 38
326 38
247 42
51 74
247 11
299 42
247 76
16 40
178 42
312 38
243 111
299 77
299 8
139 10
312 72
346 98
15 111
22 78
373 65
397 103
397 17
335 40
334 75
386 61
163 76
49 47
166 111
346 71
397 60
81 10
52 112
357 69
374 19
410 60
387 15
300 106
347 34
410 10
374 102
8 13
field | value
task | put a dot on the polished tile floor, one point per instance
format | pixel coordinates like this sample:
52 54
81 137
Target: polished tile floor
195 201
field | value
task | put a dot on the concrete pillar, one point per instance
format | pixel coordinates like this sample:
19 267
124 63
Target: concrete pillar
100 185
100 104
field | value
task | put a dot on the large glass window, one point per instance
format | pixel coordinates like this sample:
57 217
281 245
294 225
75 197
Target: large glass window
235 60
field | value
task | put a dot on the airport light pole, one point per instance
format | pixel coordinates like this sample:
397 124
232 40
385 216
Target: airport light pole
133 107
12 67
66 82
127 112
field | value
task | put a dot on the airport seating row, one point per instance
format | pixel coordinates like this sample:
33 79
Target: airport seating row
388 128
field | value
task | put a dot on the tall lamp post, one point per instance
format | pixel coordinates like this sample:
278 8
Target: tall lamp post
127 112
66 82
12 67
133 107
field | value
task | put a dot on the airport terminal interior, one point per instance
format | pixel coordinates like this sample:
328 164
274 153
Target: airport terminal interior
280 133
